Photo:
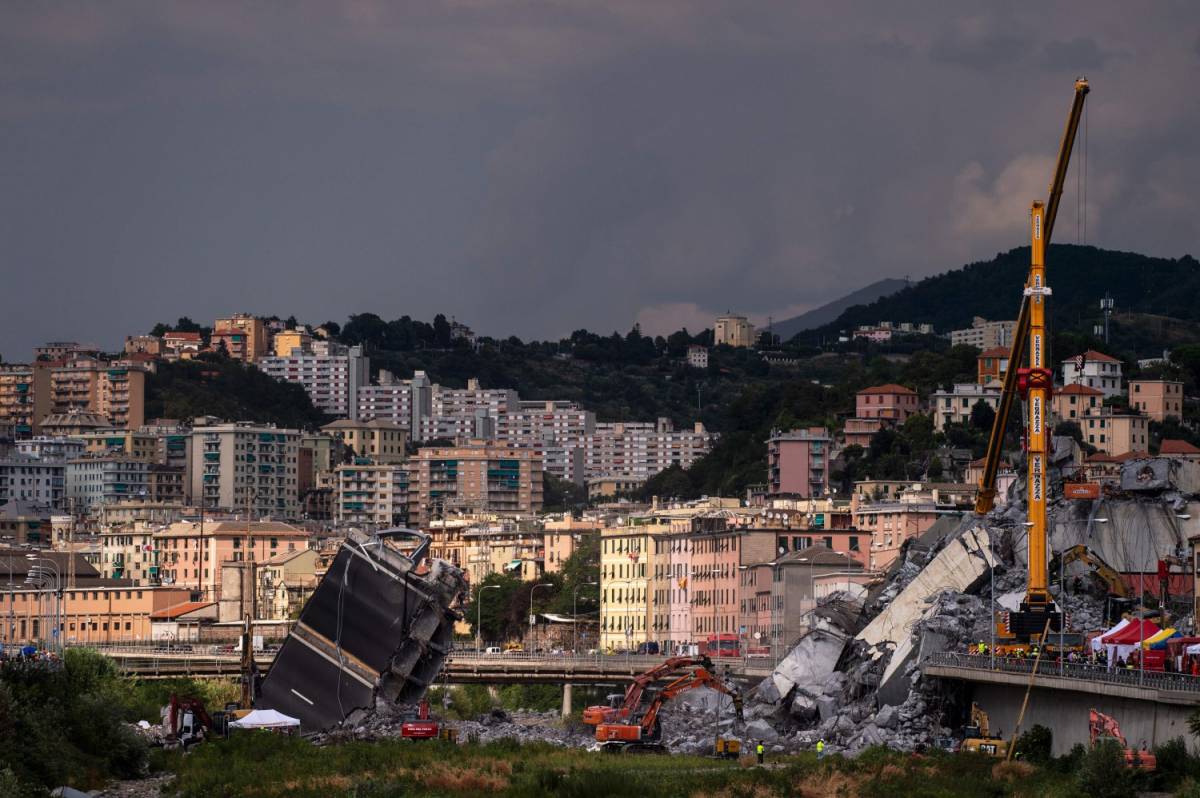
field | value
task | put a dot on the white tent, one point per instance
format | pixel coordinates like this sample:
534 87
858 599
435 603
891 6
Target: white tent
1098 640
265 719
1194 648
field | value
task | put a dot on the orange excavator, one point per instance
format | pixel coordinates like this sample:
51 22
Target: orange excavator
622 707
643 734
1101 726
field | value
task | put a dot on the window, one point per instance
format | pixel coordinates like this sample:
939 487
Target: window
853 543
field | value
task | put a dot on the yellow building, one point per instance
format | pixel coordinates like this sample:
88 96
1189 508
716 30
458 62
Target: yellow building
378 441
285 582
626 592
24 397
503 547
139 445
289 341
732 330
244 337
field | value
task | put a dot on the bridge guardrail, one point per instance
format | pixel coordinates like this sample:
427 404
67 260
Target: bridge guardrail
1155 680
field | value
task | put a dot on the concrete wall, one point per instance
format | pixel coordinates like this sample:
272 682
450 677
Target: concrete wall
1066 713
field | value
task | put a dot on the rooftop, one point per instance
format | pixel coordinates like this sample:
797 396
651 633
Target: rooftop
171 613
890 388
1093 356
1177 446
1082 390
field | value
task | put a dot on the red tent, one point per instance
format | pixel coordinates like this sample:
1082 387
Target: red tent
1132 634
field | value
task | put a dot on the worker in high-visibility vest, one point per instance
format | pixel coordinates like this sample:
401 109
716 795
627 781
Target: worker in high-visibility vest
761 751
820 749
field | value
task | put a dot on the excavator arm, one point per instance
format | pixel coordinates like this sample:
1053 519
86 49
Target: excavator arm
699 678
986 497
1105 572
633 694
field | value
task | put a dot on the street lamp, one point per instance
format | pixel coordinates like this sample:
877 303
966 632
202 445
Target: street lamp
574 614
532 627
46 573
479 613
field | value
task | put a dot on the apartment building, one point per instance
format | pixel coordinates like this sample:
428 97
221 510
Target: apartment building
625 601
991 365
44 447
889 402
1157 399
331 380
888 524
642 449
98 614
515 548
292 342
372 494
562 536
697 356
285 582
108 478
181 345
25 397
87 384
561 428
405 403
127 552
135 444
956 405
243 337
33 479
733 330
191 554
477 476
143 345
798 461
376 440
246 465
1072 402
23 523
984 334
1095 370
1116 433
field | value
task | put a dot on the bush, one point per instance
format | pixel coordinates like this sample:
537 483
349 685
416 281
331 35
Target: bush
1035 745
1175 764
1102 772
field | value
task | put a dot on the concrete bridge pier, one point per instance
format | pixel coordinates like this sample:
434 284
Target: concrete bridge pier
566 704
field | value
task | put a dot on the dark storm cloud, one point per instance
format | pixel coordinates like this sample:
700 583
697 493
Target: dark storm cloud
534 167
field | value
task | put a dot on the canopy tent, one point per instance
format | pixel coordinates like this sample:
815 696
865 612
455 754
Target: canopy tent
1194 648
265 719
1159 641
1134 633
1098 641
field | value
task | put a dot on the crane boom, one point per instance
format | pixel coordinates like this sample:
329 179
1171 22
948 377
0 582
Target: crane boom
986 497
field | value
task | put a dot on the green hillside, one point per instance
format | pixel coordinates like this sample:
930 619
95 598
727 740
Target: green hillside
1079 276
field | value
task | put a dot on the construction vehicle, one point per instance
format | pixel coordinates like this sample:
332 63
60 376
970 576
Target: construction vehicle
727 748
641 733
184 721
1101 726
1037 615
1100 569
978 736
621 707
419 725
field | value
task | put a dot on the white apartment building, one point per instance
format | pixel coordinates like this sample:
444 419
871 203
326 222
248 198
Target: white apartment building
560 429
955 406
92 481
642 449
375 495
405 403
31 479
1095 370
44 447
332 380
245 464
697 356
984 334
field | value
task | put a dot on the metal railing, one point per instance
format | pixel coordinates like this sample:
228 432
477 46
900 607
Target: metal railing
1153 680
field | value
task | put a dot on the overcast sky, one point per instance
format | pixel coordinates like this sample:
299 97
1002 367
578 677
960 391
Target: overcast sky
536 167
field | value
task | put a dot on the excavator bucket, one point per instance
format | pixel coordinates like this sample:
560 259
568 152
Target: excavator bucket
378 628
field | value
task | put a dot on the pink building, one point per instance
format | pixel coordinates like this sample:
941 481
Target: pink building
886 401
889 524
798 462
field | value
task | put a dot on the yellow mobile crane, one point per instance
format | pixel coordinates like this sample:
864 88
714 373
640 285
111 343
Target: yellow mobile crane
1035 383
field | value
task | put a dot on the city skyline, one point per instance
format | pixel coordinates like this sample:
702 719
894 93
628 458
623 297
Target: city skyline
496 163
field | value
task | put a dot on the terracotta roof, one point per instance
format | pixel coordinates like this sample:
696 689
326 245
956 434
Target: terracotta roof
1093 355
170 613
889 388
995 351
1076 388
183 336
1177 446
1100 457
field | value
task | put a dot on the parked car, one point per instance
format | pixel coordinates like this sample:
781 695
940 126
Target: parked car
492 651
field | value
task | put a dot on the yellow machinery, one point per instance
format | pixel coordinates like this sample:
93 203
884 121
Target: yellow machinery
979 737
1035 383
1103 571
727 748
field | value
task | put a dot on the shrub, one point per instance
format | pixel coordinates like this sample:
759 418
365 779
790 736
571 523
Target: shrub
1102 772
1035 745
1175 764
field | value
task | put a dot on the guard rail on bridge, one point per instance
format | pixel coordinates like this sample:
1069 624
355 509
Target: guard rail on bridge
1172 688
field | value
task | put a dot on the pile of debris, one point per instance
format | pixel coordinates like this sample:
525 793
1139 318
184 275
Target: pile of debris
854 680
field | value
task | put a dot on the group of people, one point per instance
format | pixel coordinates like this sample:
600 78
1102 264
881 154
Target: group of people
760 750
1188 664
